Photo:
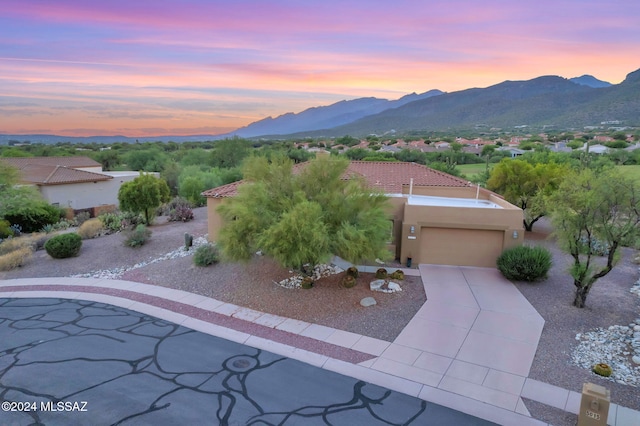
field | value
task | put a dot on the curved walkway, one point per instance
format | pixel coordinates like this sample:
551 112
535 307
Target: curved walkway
469 348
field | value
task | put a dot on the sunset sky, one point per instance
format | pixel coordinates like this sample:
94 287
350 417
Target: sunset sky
163 67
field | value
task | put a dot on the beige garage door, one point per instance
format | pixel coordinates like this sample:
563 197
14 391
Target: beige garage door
464 247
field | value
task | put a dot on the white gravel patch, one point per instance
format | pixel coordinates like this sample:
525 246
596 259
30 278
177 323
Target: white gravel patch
117 273
618 346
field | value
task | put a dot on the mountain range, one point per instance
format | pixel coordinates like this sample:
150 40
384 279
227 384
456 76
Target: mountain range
547 101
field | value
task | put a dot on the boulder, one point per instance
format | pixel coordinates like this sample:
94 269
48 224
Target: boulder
368 301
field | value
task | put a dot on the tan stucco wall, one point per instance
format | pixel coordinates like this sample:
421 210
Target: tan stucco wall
214 221
85 195
506 220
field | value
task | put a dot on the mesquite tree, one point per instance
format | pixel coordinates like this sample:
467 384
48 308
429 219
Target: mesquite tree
593 210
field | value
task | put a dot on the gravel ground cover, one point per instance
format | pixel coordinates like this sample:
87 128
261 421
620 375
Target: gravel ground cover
252 285
609 303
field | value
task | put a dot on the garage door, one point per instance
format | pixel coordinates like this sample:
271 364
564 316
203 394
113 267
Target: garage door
463 247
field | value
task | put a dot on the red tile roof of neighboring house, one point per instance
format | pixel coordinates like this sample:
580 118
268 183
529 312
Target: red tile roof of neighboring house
58 175
389 177
55 170
72 162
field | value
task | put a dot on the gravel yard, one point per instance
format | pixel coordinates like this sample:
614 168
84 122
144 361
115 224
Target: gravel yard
253 285
609 303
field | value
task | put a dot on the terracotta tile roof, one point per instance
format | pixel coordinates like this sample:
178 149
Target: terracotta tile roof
389 177
58 175
72 162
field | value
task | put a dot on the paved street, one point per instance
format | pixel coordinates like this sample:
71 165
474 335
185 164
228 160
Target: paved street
131 368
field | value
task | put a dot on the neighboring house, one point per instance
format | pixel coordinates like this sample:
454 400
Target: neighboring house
594 149
559 147
515 152
437 218
77 183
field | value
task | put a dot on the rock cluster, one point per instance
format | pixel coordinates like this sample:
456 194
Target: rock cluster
618 346
116 273
319 271
385 286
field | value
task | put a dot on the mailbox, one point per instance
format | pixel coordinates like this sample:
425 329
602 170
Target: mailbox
594 406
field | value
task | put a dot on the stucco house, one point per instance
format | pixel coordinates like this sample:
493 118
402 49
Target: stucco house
436 218
76 183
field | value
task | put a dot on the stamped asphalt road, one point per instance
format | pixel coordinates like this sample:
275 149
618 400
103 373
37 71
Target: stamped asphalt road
98 364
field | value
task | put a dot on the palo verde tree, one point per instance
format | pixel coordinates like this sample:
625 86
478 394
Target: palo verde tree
304 217
592 209
526 186
143 195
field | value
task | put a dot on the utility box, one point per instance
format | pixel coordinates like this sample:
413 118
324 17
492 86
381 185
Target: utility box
594 406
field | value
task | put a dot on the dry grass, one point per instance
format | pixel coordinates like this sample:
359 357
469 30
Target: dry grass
15 258
90 228
30 241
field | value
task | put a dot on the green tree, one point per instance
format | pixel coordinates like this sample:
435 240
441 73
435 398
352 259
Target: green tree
147 160
144 194
229 153
592 209
304 218
526 185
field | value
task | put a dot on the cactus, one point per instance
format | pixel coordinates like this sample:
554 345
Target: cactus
602 369
381 274
397 275
348 281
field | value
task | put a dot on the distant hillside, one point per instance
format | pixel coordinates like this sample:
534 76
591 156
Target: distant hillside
590 81
325 117
549 100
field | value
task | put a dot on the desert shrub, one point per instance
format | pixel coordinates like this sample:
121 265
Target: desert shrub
206 254
81 218
381 274
16 229
15 258
175 202
62 224
47 229
131 220
111 222
348 281
602 369
5 229
13 244
397 275
64 245
307 283
524 263
33 216
353 271
181 214
90 229
137 237
596 247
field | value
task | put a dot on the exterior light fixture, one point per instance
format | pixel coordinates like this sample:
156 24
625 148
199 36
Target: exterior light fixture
515 235
412 229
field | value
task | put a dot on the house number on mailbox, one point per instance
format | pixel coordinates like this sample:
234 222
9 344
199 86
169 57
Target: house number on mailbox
593 415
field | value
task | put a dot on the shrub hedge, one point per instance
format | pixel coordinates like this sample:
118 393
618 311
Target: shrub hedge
525 263
63 245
